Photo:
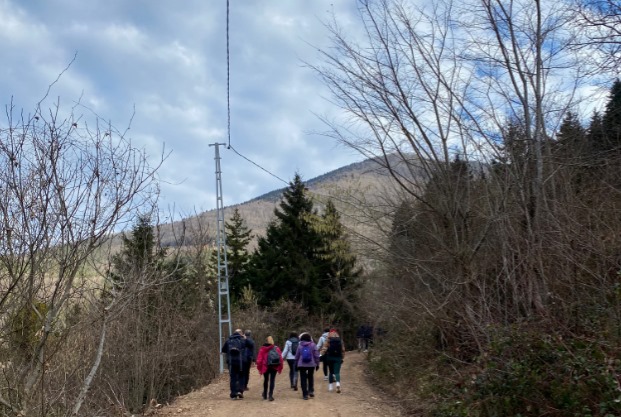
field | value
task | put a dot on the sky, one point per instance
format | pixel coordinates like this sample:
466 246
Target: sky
161 66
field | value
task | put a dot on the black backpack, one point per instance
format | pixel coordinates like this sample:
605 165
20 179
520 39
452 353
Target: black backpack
273 358
236 349
335 347
295 342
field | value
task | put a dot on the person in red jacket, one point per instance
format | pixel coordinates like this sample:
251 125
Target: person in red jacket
269 362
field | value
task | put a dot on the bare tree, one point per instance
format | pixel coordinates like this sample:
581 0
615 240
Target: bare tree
67 185
431 86
599 32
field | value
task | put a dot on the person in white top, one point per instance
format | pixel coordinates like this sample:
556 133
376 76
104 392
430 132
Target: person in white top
288 353
323 339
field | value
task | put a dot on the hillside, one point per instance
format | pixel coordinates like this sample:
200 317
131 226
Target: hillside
345 186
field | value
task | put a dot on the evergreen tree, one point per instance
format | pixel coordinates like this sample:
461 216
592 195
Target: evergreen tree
139 257
611 122
237 238
596 138
286 263
339 267
571 138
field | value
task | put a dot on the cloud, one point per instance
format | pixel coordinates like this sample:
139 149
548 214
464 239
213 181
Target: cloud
163 66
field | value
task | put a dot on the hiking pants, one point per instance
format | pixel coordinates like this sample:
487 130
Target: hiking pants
236 374
293 372
334 366
246 367
324 362
307 380
269 376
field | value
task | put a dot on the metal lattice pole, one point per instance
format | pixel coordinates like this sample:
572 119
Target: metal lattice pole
224 299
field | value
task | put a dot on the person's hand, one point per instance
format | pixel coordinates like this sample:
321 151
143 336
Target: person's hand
317 368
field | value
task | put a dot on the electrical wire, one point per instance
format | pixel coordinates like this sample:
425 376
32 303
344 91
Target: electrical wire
228 77
257 165
228 97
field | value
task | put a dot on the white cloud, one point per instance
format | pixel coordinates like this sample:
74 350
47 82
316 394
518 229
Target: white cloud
167 61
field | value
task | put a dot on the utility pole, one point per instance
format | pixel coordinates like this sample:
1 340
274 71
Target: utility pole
224 299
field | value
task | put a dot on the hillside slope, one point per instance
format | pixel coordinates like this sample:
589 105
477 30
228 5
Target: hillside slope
349 187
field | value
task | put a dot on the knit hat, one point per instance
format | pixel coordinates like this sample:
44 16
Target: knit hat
269 340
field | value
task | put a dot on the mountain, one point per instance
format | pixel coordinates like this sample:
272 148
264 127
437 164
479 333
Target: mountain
349 186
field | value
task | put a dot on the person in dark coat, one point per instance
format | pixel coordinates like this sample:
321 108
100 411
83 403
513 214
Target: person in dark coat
251 357
235 350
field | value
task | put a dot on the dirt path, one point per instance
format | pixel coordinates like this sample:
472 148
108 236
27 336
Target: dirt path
357 399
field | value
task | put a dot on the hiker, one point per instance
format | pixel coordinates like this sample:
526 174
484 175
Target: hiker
334 351
322 358
251 357
364 336
269 362
307 362
235 350
288 353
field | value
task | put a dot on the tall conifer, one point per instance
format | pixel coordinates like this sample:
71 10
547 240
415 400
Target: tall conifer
285 264
237 238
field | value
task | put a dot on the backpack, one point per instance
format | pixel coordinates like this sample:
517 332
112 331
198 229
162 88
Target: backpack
236 348
307 354
335 347
273 358
294 344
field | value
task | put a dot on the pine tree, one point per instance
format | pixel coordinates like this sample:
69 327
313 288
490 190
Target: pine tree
571 138
237 238
611 122
139 258
340 272
286 264
596 139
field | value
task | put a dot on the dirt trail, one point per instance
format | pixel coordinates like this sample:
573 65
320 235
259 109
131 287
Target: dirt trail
357 399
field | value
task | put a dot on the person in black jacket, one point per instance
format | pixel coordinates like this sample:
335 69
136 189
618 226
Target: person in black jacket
235 349
251 357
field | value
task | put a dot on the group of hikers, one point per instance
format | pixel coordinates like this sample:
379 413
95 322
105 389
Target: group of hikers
364 336
303 356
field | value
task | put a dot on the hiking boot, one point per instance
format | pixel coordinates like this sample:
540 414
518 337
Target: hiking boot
330 388
311 394
338 387
305 398
271 398
264 395
240 395
325 378
295 388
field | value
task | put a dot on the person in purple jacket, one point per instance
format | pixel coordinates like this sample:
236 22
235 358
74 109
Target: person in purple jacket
307 361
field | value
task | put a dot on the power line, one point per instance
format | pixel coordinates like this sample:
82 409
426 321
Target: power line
228 98
228 77
257 165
